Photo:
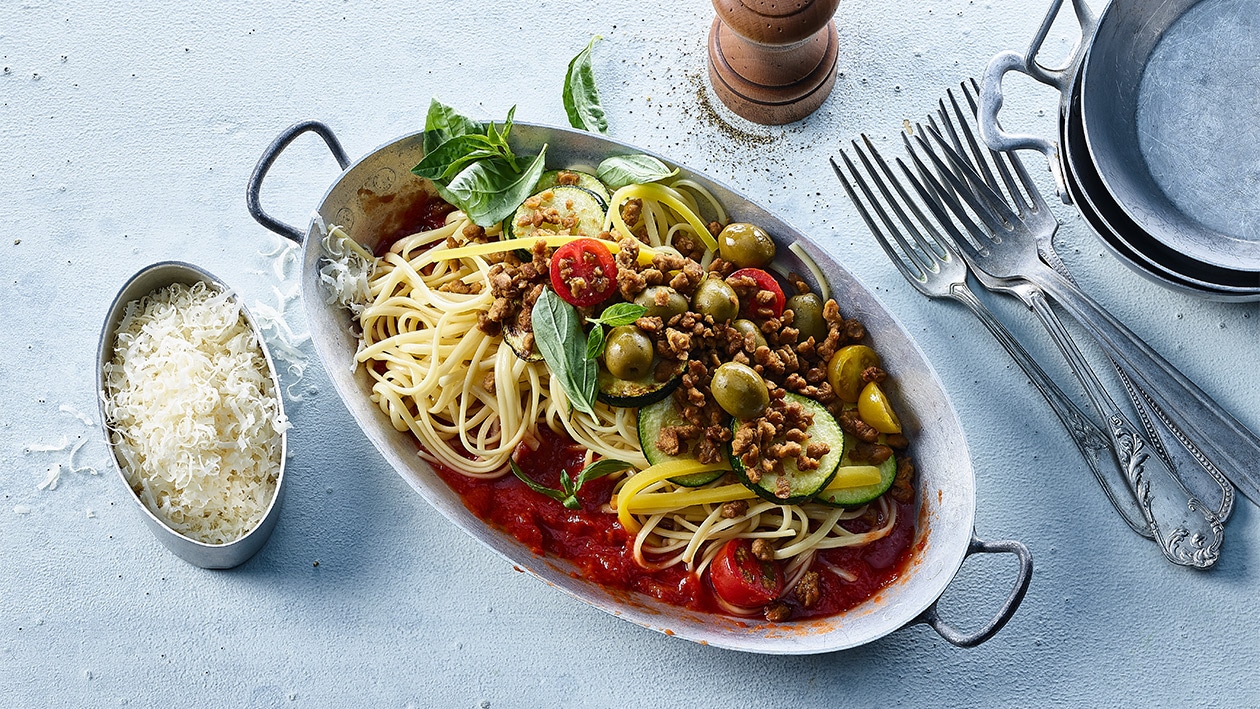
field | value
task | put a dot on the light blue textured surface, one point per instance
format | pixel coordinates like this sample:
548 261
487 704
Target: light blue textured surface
127 136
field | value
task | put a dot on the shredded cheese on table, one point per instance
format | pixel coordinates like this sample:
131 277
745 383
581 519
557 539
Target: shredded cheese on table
193 413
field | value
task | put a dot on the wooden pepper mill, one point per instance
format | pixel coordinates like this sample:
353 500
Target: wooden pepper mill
773 61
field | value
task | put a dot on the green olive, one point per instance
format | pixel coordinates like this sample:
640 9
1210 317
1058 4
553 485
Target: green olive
746 326
714 297
739 390
628 353
807 316
675 303
745 245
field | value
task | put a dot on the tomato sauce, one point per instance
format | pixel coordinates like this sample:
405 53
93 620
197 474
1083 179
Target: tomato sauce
595 541
401 216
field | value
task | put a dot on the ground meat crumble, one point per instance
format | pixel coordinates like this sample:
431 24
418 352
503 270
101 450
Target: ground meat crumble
516 286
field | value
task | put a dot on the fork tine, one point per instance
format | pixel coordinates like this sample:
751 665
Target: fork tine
978 155
965 120
989 206
934 195
949 128
935 204
933 248
1038 203
973 158
916 277
916 258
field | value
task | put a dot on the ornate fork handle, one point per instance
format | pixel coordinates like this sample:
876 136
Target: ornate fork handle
1183 455
1187 531
1220 435
1089 439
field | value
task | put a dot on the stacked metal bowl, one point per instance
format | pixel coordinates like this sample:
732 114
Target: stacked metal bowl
1157 146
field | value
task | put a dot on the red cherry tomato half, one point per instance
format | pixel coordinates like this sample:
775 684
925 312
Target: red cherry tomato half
583 272
742 579
765 281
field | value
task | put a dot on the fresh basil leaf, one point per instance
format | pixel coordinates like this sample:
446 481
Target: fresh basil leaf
595 342
449 158
619 314
581 99
507 126
444 123
566 482
600 468
444 193
559 339
621 170
489 190
571 502
541 489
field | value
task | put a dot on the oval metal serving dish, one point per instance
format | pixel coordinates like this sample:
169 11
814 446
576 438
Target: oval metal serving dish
207 556
368 198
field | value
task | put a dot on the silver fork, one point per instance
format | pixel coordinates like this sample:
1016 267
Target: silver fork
1194 468
1187 531
932 266
1011 254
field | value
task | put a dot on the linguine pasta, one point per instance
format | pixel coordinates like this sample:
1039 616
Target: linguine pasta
470 401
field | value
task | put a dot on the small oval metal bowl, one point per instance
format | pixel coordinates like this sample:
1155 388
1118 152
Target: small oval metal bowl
207 556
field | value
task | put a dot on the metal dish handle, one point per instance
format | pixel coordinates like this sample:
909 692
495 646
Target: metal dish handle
264 164
1022 579
1059 78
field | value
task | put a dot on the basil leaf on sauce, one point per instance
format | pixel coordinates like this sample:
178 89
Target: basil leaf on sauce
556 495
568 496
558 336
621 170
489 190
600 468
581 99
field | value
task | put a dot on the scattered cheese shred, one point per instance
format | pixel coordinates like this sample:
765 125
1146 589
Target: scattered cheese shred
193 414
84 418
60 445
346 270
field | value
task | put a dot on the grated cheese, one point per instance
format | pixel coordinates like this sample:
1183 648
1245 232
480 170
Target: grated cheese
346 270
193 414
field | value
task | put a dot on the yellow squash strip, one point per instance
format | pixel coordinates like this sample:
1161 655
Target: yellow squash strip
527 243
652 474
660 194
658 502
854 476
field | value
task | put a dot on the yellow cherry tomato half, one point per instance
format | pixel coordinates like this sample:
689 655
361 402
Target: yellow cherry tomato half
844 371
875 409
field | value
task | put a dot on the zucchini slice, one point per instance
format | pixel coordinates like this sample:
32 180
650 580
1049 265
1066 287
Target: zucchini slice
856 496
655 417
803 485
583 206
586 181
629 394
515 337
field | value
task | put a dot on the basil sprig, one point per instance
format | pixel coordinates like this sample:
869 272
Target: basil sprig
614 315
473 167
558 334
568 495
581 99
621 170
